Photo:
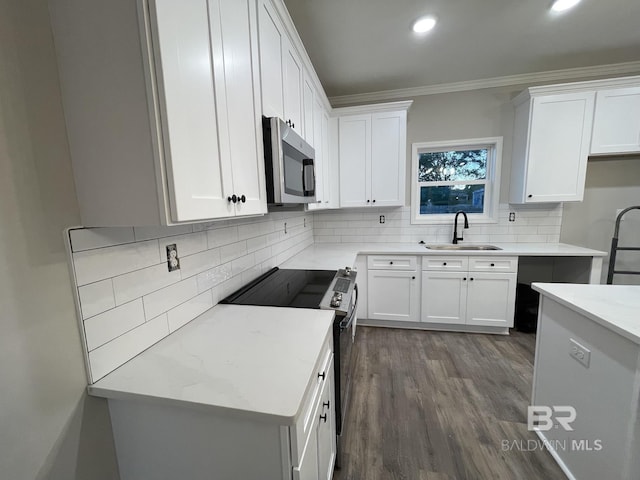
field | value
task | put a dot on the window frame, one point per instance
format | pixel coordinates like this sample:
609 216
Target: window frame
492 182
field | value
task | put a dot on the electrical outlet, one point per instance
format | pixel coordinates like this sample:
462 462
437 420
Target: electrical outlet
579 352
382 219
173 262
512 216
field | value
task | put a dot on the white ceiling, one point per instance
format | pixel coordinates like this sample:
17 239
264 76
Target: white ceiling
361 46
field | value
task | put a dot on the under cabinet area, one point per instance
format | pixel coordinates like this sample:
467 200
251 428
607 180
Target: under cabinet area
156 135
393 288
476 291
372 151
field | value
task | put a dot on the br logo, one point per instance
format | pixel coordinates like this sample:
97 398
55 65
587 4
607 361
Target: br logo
541 417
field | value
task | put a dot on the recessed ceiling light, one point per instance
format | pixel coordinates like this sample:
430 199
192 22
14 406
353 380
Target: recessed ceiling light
562 5
424 24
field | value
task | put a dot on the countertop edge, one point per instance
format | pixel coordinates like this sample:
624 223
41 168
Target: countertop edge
540 287
264 417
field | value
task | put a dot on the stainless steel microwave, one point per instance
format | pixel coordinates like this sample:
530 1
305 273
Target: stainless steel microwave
289 164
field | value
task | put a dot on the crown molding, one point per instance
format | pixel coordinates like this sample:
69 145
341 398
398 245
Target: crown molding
373 108
522 79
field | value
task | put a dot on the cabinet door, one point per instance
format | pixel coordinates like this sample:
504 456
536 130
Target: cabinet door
233 27
326 431
491 299
616 124
271 54
186 73
327 166
292 87
354 146
388 158
308 468
393 295
308 106
444 297
558 147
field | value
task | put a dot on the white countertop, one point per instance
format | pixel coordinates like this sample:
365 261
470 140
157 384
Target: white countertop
330 256
256 362
616 307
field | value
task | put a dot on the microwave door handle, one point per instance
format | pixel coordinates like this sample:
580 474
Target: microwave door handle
307 165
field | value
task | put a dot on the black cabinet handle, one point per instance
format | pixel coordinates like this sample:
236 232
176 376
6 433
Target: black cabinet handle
368 201
493 264
326 404
529 196
232 198
390 263
413 278
321 375
464 278
293 125
444 263
471 279
374 201
243 199
323 418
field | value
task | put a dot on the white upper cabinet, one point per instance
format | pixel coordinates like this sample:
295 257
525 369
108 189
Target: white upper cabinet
271 34
168 130
308 106
293 88
551 146
616 123
372 143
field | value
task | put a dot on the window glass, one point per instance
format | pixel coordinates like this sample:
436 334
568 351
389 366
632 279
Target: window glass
453 165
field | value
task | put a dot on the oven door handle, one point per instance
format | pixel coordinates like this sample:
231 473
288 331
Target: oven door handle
346 323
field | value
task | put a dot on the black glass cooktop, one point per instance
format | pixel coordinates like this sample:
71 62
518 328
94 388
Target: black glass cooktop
285 288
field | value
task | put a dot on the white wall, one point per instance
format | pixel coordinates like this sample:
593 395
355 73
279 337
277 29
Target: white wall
611 184
49 428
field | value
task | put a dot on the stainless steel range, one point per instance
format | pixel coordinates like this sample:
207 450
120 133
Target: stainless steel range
324 289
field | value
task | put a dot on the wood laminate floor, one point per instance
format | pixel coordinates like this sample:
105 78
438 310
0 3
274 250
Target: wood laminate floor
437 406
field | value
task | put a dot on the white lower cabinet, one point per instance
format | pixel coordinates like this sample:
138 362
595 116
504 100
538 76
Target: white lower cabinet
483 294
393 289
168 440
444 297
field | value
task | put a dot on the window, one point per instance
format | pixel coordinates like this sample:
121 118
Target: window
456 175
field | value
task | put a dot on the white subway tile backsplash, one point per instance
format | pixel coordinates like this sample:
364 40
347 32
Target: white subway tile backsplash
165 299
134 285
222 236
242 264
194 264
96 297
113 323
90 238
213 277
122 277
233 251
99 264
188 244
108 357
184 313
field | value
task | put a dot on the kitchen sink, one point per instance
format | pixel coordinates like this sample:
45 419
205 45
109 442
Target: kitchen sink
462 247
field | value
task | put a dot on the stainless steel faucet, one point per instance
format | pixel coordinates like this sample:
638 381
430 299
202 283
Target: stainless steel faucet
455 226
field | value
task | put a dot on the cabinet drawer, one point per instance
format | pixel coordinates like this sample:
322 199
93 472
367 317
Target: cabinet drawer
453 264
493 264
305 422
392 262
